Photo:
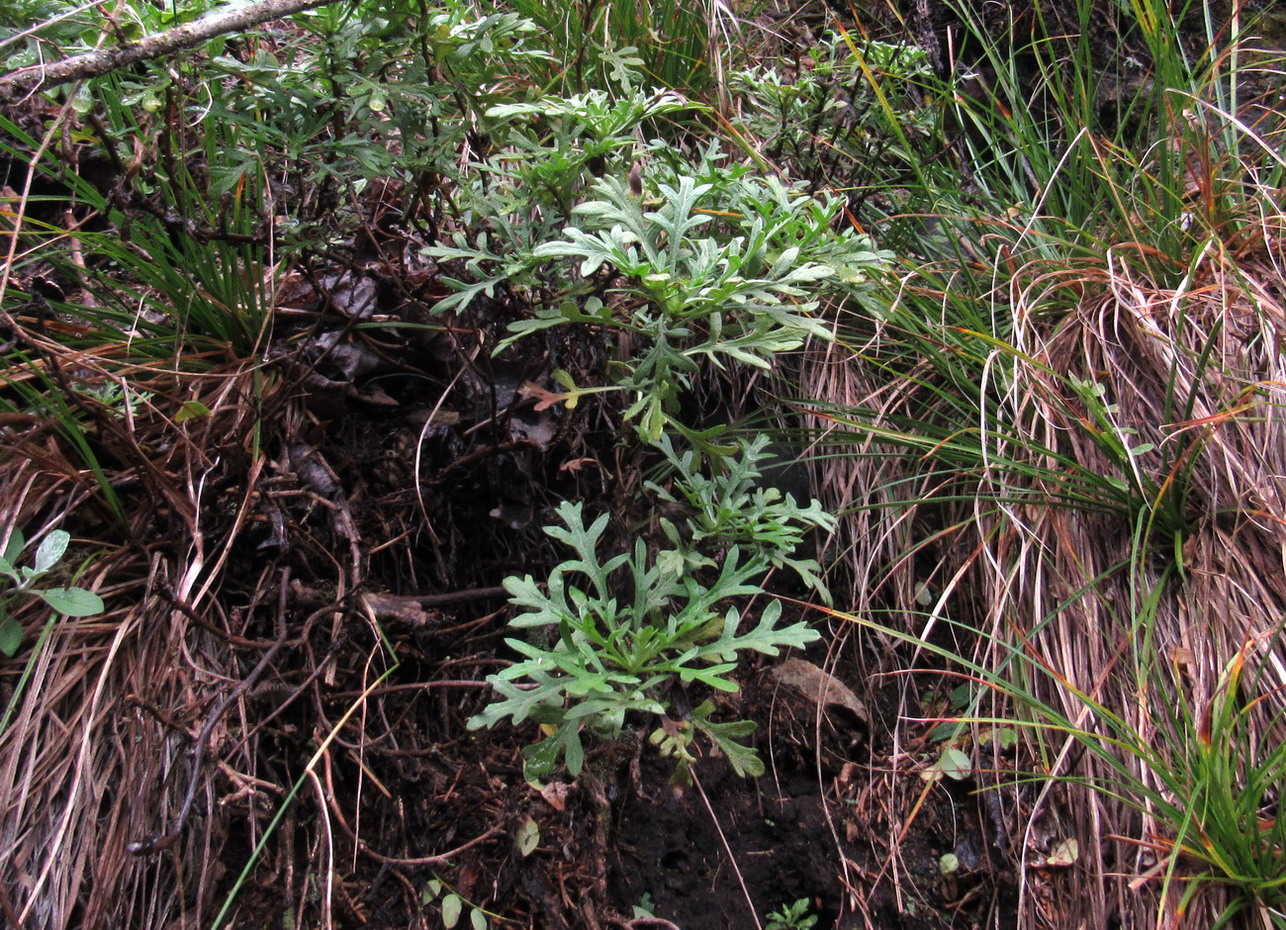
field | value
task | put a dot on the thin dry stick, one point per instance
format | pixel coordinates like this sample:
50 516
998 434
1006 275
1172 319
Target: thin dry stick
328 918
189 35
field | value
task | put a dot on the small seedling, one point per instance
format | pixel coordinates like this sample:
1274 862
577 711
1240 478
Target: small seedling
71 601
795 916
453 906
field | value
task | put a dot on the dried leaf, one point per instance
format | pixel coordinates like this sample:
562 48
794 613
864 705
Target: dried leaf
555 794
545 399
528 837
1064 853
820 687
575 465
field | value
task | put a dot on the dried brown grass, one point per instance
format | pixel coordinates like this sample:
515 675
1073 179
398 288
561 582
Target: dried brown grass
98 754
1196 373
1147 345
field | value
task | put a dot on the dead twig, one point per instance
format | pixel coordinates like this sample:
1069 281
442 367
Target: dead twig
189 35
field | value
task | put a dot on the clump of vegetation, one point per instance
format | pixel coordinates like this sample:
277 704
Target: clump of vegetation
1085 375
614 649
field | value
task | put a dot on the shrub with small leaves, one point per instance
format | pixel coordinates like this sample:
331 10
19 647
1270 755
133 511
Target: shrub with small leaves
620 635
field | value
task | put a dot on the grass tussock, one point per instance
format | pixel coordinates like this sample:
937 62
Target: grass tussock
1060 443
107 708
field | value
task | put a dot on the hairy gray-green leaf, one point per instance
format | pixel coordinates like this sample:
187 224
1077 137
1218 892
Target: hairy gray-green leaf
51 550
74 602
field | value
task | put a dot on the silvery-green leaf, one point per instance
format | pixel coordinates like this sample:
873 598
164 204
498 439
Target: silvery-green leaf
51 550
452 906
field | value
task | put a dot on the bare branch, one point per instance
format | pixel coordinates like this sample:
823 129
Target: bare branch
189 35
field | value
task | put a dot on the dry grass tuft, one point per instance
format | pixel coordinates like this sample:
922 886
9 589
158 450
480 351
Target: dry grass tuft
1096 487
98 754
1197 374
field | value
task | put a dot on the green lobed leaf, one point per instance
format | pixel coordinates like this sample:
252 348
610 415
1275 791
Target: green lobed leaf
744 760
542 757
519 703
765 637
710 675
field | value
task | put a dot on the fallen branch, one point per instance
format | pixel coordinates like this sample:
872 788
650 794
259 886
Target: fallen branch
189 35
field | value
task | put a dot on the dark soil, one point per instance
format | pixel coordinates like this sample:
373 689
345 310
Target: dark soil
831 821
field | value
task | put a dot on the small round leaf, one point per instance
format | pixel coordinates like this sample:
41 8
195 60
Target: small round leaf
528 837
452 905
955 764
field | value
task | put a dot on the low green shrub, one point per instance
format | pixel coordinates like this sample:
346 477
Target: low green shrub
612 636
